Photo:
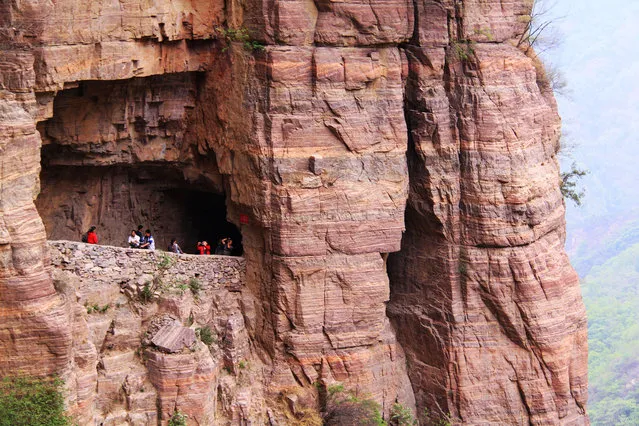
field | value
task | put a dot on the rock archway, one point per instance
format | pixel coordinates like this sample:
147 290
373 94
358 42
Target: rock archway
117 154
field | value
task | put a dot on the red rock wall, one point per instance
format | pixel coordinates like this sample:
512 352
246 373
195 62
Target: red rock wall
321 173
34 333
311 136
38 56
485 302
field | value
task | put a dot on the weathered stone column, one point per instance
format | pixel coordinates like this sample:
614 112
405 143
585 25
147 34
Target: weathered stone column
484 299
34 324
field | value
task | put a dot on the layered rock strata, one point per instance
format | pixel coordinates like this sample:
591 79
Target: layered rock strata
482 276
134 317
307 139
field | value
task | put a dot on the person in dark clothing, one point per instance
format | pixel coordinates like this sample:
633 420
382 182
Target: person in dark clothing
224 247
174 247
92 237
139 232
228 247
220 247
203 247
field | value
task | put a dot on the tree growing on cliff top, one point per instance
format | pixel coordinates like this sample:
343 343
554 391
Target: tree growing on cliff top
540 35
539 32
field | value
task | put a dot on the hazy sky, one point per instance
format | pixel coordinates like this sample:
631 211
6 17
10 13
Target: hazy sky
599 57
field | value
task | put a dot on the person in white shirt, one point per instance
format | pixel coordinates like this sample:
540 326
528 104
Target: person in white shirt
134 239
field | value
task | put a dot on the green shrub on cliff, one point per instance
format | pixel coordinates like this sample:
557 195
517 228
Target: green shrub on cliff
32 402
240 35
195 286
344 407
177 419
568 184
401 416
464 50
206 335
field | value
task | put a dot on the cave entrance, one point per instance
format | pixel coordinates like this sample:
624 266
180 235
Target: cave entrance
206 215
117 199
118 154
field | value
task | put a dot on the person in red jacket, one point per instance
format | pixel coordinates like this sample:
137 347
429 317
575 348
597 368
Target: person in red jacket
203 247
92 237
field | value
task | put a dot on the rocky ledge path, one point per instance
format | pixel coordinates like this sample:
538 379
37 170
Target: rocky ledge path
154 333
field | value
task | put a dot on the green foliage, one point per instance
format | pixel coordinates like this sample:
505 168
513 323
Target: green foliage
401 416
182 286
147 293
569 182
240 35
195 286
464 50
95 308
32 402
165 262
334 389
178 419
611 294
344 407
206 335
486 33
433 420
242 364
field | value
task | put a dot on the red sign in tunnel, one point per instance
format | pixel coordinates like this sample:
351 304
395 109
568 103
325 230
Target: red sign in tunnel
244 219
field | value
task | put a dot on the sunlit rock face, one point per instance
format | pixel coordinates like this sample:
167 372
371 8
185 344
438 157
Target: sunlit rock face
485 302
136 358
358 130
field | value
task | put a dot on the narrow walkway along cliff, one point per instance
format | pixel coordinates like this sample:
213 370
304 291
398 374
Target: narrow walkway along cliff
390 167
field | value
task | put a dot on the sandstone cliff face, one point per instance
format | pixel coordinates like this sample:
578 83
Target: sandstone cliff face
483 248
332 141
123 371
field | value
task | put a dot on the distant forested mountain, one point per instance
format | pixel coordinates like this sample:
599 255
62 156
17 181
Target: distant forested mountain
599 58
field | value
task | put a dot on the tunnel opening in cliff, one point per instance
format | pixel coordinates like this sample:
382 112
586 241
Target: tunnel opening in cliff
116 199
117 154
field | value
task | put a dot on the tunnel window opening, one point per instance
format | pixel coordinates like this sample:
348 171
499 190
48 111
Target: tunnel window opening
207 215
116 199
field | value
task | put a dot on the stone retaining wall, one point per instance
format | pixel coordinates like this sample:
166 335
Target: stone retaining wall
123 370
127 266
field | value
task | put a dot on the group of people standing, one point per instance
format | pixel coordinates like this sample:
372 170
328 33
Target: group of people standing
145 241
224 247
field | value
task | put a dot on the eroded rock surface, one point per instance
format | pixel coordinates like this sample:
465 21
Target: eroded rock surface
356 122
482 276
135 316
